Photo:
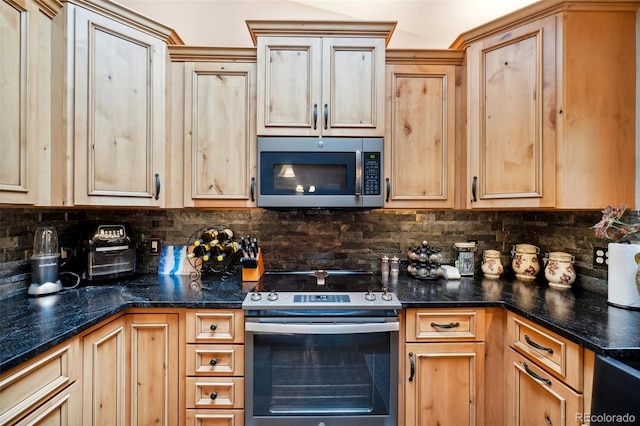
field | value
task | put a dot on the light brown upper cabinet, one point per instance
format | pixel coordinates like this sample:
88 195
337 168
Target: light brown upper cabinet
551 107
25 102
111 120
219 112
420 139
320 78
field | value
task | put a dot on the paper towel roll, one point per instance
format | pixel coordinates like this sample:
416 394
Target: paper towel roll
622 275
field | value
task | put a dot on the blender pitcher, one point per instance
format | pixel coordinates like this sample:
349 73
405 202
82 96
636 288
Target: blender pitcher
45 268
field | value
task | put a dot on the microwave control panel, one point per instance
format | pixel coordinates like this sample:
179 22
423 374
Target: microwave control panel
371 170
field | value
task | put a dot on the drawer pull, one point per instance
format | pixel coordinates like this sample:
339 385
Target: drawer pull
214 395
534 375
537 346
213 361
450 325
412 363
213 327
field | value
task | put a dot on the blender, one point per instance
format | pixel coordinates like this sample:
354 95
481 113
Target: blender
45 268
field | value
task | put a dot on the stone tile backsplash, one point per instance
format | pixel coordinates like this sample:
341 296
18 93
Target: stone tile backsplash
321 239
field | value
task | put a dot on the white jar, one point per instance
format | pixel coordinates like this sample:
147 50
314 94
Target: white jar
525 261
492 264
559 270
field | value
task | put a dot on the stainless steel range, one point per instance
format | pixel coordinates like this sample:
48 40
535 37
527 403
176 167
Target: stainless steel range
321 349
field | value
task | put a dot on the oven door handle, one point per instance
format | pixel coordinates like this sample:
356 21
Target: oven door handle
324 328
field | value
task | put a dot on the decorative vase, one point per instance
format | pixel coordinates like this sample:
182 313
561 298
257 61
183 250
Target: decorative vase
525 261
559 270
623 290
491 264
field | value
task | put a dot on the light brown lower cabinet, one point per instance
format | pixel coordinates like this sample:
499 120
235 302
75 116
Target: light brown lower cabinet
535 397
443 367
214 384
43 391
131 371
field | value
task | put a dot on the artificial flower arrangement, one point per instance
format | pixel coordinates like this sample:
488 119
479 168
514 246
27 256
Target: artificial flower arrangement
612 227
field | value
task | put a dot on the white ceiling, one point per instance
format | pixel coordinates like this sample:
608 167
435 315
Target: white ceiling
422 24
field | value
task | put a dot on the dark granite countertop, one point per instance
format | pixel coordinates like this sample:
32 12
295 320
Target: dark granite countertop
34 325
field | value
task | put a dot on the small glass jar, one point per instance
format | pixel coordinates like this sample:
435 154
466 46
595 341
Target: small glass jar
465 258
395 264
384 265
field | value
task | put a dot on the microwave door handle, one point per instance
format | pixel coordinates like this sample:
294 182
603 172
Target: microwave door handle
358 173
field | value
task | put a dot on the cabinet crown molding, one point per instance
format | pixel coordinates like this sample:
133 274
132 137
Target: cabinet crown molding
424 56
384 29
130 17
216 54
539 10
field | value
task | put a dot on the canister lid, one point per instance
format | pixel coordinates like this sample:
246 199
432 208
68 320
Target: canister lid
469 245
526 248
491 253
560 256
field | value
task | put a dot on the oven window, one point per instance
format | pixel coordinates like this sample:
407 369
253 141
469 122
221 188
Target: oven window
321 374
331 173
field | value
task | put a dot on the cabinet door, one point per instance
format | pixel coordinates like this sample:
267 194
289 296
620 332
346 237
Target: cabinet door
104 381
25 103
352 87
289 86
119 113
154 368
220 143
536 398
420 136
511 142
444 386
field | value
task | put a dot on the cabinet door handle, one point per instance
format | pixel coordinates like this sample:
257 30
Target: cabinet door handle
388 190
474 184
213 327
252 186
213 362
157 186
450 325
547 419
214 395
535 376
315 116
412 364
536 345
326 116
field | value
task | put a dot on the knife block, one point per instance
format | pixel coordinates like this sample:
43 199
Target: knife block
254 274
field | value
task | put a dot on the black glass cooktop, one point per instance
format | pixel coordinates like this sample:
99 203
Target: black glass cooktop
318 281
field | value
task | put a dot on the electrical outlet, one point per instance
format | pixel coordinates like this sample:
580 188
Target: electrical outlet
154 246
600 258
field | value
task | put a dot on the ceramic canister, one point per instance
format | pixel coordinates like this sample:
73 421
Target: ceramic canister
559 270
525 261
491 264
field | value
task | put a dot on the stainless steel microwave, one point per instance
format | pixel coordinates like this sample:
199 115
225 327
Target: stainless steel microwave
311 172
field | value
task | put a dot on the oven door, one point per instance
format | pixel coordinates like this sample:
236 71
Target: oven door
313 371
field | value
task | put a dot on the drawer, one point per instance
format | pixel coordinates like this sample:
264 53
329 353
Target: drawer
536 398
210 392
32 384
215 418
444 325
215 326
557 355
215 360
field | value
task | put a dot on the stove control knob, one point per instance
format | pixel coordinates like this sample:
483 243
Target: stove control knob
386 295
370 296
272 296
255 296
